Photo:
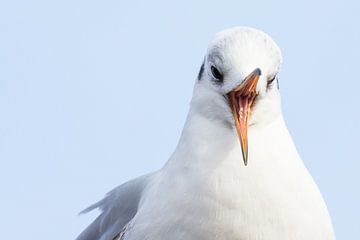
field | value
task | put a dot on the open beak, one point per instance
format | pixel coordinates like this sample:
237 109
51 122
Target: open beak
241 100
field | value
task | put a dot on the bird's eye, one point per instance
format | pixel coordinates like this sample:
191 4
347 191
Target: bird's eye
271 80
216 74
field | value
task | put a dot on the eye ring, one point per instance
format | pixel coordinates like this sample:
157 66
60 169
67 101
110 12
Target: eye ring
216 73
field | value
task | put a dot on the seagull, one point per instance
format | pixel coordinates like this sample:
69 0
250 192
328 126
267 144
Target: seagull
235 173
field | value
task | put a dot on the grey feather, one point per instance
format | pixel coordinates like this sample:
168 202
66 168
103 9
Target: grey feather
117 208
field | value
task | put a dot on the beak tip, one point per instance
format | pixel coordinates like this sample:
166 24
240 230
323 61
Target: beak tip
258 71
245 158
245 162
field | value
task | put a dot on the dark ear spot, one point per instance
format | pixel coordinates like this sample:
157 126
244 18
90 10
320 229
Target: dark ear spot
201 72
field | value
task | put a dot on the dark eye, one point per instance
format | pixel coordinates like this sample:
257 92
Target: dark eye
271 80
216 74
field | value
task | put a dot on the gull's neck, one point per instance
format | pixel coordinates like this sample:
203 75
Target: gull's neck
200 139
206 174
207 144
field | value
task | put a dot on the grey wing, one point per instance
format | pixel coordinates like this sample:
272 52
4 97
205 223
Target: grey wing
117 208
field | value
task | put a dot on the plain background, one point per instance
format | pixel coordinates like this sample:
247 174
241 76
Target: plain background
94 93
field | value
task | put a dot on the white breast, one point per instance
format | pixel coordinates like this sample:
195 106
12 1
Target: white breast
200 197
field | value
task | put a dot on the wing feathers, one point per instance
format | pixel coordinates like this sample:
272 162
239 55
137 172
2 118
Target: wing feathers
117 208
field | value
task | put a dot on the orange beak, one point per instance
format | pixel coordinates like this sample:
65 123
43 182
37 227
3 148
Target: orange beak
241 101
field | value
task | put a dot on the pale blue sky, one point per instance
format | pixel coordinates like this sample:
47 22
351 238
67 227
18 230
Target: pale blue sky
94 93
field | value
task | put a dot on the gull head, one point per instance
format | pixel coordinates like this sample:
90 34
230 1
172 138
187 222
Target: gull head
237 84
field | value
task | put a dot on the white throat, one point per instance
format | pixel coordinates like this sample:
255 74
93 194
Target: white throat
256 201
209 137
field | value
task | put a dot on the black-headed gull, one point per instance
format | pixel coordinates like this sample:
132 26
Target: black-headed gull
235 173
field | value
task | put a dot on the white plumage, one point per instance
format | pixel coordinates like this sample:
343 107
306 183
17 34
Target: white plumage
204 191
